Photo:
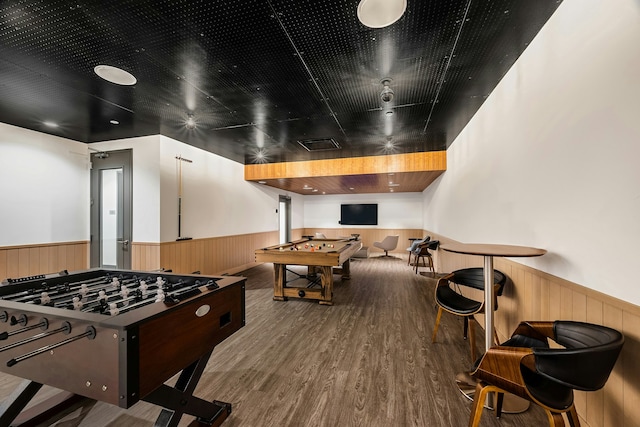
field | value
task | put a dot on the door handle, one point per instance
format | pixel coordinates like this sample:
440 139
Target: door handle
125 243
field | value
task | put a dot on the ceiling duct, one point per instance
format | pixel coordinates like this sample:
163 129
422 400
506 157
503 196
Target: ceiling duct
321 144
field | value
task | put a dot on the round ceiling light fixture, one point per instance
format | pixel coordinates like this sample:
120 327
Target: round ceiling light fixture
387 93
380 13
115 75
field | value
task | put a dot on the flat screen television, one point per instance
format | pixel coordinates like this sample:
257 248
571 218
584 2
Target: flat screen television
359 214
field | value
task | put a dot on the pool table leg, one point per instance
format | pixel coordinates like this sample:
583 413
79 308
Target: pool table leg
279 278
346 270
326 275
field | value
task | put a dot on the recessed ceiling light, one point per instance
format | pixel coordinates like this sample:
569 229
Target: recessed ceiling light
351 188
315 190
380 13
114 122
190 123
262 182
115 75
50 124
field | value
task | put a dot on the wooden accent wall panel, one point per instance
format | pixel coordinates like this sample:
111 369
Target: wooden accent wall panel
370 235
216 255
536 295
30 260
410 162
412 172
145 256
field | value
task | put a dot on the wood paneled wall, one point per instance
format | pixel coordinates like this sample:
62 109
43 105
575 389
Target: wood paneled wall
30 260
230 254
370 235
216 255
536 295
145 256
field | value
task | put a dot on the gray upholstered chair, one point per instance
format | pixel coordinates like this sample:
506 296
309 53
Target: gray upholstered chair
421 252
411 249
389 243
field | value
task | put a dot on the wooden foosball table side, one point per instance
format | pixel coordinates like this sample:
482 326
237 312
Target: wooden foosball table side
124 358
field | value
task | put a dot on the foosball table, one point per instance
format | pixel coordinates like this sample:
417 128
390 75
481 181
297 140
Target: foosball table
117 336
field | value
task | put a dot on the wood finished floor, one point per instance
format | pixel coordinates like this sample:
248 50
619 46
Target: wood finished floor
368 360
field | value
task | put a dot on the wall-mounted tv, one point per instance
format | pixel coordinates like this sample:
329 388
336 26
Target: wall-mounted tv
359 214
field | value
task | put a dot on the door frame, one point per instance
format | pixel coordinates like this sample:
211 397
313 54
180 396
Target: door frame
284 217
103 160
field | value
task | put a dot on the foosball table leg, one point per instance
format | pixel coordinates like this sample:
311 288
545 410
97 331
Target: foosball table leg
12 411
16 402
179 400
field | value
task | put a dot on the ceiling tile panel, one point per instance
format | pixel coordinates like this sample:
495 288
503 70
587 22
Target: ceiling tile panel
257 76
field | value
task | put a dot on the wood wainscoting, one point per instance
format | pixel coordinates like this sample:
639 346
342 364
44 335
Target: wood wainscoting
536 295
217 255
31 260
145 256
231 254
370 235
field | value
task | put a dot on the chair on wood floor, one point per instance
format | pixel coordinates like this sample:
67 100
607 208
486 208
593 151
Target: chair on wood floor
389 243
452 301
422 252
526 366
414 245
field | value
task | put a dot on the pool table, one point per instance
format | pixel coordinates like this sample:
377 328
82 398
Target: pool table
319 255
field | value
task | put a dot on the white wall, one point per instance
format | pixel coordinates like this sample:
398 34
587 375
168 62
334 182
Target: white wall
397 210
44 188
44 184
216 200
551 158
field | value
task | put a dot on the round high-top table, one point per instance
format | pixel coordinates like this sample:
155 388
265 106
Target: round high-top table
466 384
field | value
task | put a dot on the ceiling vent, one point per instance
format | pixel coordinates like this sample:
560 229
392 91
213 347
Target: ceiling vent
321 144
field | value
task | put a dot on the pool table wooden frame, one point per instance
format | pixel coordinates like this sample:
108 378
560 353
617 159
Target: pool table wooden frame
324 260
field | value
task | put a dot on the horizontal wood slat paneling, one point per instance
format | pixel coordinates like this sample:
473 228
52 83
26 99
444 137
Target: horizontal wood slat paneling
30 260
536 295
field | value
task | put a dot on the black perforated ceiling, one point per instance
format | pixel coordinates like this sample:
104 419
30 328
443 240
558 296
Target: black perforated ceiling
259 75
